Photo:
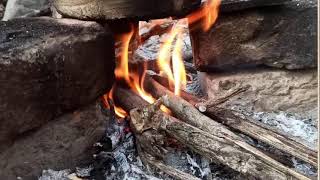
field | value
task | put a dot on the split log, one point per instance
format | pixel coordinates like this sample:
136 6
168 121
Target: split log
49 67
260 36
215 146
125 9
239 122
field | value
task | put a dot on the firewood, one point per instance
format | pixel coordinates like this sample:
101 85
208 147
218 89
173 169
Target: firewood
241 123
215 146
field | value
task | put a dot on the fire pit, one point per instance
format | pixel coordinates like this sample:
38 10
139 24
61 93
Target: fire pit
212 91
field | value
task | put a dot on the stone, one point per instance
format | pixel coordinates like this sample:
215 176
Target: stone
125 9
278 36
236 5
63 143
49 67
271 90
26 8
281 100
1 10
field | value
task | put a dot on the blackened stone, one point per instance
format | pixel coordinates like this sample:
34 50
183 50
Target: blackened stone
48 67
64 143
278 36
236 5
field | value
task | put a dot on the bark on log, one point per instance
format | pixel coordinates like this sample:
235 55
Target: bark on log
187 113
215 146
129 9
241 123
49 67
234 120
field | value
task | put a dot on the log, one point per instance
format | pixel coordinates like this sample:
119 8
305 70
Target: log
49 67
235 121
186 112
259 36
239 122
125 9
215 146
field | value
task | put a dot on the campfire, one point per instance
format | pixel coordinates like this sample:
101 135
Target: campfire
159 109
174 89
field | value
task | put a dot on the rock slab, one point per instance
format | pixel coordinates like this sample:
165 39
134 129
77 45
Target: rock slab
63 143
125 9
49 67
278 36
271 90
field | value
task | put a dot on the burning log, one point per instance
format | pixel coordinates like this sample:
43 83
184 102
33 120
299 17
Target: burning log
128 9
214 145
217 147
234 120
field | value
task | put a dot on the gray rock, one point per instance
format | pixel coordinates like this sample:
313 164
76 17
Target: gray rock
26 8
63 143
272 90
281 100
236 5
48 67
125 9
277 36
1 10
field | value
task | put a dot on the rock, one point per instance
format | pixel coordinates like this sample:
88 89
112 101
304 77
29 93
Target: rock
63 143
48 67
285 101
26 8
278 36
125 9
272 90
236 5
1 10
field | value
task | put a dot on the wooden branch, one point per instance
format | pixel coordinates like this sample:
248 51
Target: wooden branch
203 106
215 146
234 120
243 124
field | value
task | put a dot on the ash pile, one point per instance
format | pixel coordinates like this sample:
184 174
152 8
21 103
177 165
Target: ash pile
253 71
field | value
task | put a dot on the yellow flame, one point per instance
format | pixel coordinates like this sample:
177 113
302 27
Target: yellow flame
179 71
208 14
122 70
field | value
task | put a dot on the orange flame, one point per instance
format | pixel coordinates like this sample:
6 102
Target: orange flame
122 70
169 60
207 13
118 110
